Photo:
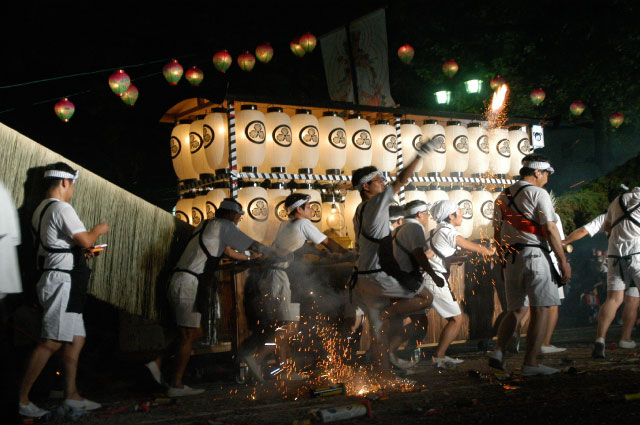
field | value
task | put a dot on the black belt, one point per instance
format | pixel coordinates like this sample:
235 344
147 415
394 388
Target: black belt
354 279
197 275
515 249
57 270
617 262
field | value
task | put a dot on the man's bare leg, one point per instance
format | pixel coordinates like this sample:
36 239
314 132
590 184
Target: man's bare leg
38 360
70 356
608 312
186 338
448 334
629 315
535 334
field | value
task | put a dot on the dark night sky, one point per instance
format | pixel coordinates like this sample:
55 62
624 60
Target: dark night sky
128 145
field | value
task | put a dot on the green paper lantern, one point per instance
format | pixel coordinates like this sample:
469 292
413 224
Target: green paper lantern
450 68
246 61
405 53
308 42
576 108
222 60
616 119
264 52
296 48
119 82
130 97
64 109
194 76
172 72
496 82
537 96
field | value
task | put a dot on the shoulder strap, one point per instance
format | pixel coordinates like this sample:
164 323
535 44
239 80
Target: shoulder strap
200 241
39 239
414 262
626 213
432 234
360 232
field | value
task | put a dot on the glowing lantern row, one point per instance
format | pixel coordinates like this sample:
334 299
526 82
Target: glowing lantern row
308 42
184 206
119 82
457 141
333 143
306 138
296 48
215 139
463 198
616 119
278 140
499 151
172 72
199 209
64 109
450 68
434 162
406 53
181 151
276 194
482 214
478 150
537 96
196 147
130 97
411 142
251 135
385 146
264 53
214 198
194 76
496 82
520 147
222 60
246 61
253 199
358 143
576 108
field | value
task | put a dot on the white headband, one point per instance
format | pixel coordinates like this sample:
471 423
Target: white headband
298 203
366 179
442 209
415 210
538 165
62 174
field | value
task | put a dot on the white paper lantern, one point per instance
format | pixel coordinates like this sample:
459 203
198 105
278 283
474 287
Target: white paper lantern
333 143
359 151
250 137
183 207
315 203
478 150
276 194
181 151
521 147
215 132
214 198
411 136
499 151
434 162
199 209
306 138
482 214
457 148
279 140
196 143
332 214
385 146
351 202
412 193
463 199
434 194
253 199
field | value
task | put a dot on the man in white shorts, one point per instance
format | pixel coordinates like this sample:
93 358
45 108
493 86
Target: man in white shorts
623 225
280 315
374 288
61 241
526 229
195 268
444 241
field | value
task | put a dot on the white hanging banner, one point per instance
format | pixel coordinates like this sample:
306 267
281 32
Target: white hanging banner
335 55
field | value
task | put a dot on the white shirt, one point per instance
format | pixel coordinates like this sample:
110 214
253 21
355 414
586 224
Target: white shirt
561 231
219 234
59 223
375 224
595 225
411 236
293 235
444 241
10 281
535 204
624 238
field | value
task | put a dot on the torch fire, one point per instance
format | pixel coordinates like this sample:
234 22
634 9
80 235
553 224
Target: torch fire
496 112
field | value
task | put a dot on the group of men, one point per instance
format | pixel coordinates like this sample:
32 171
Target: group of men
526 243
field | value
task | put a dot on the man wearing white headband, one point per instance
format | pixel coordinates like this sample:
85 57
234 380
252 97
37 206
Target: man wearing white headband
525 228
444 241
193 275
280 315
623 271
61 241
373 288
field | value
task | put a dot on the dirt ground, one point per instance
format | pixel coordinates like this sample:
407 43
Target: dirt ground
587 391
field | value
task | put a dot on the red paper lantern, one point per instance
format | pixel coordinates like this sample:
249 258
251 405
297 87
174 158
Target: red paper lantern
537 96
119 82
194 76
405 53
264 52
130 97
64 109
172 72
246 61
222 60
576 108
496 82
296 48
616 119
308 42
450 68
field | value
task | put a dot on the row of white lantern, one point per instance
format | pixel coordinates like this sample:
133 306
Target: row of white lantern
303 143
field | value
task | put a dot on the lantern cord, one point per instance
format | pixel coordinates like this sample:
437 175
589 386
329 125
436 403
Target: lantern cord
92 72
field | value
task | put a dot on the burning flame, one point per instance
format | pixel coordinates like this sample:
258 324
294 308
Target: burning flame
499 96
